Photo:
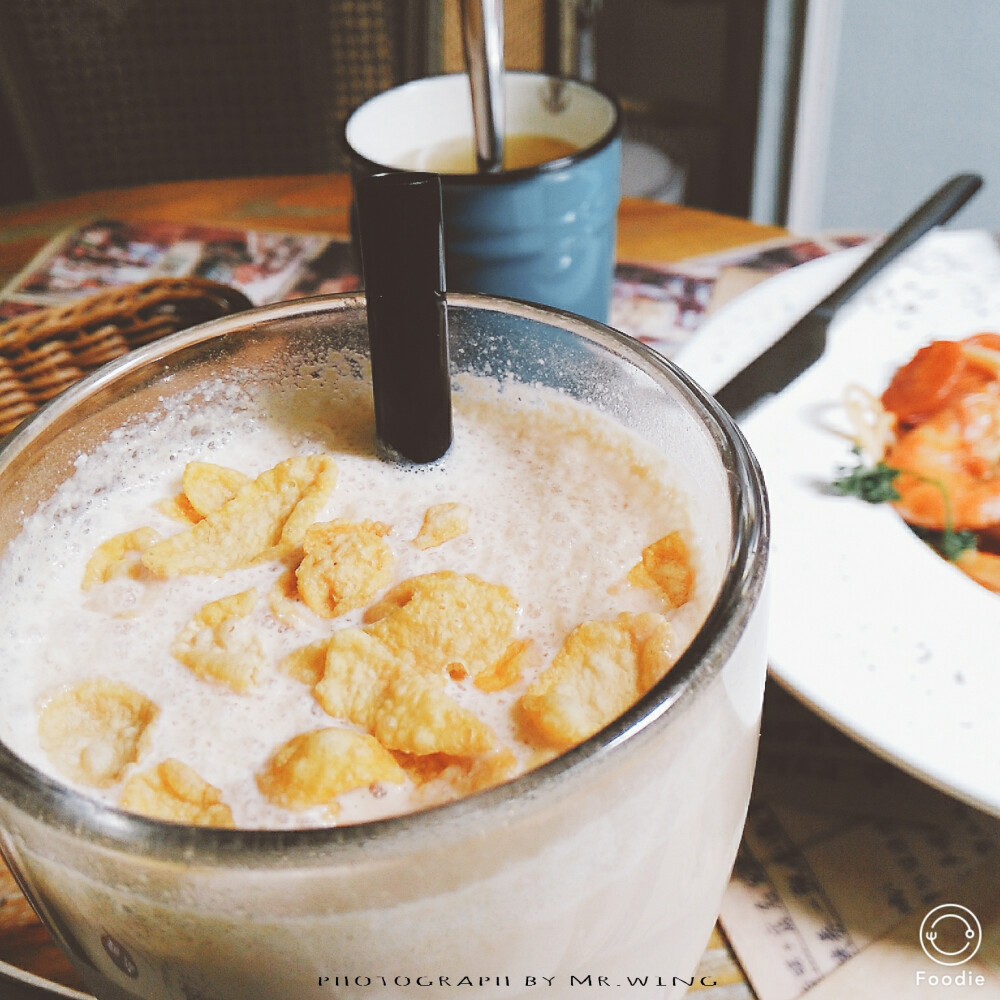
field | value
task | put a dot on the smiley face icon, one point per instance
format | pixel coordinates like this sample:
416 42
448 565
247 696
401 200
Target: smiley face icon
950 934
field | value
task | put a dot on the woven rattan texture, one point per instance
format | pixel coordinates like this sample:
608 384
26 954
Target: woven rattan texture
44 352
136 91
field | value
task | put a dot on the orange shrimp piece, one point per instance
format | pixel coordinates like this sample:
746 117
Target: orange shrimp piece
982 352
983 567
950 464
923 384
940 374
990 340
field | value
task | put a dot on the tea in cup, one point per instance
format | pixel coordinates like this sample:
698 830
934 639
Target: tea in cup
520 151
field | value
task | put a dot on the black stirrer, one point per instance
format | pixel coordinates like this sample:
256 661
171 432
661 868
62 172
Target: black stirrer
402 258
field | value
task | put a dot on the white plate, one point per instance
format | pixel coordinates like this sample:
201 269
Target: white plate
869 627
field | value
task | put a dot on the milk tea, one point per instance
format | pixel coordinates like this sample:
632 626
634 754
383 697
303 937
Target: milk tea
542 510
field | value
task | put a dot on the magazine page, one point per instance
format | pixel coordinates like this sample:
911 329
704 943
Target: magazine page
660 305
664 305
107 253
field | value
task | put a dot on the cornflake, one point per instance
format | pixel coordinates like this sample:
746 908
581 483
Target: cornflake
442 618
215 648
307 663
466 775
179 508
118 556
266 519
174 791
368 684
283 600
508 670
666 566
208 486
94 730
345 565
312 769
442 522
602 669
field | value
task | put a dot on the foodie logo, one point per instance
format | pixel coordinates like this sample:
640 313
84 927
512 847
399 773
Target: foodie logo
950 934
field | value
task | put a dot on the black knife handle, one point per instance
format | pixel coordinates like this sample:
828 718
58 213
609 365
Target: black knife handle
938 208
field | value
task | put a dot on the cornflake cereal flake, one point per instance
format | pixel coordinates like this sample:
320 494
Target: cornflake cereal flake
369 685
666 566
176 792
95 729
312 769
602 669
344 567
442 523
266 519
118 556
216 648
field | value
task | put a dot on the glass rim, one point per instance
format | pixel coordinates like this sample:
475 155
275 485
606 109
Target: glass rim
487 179
60 806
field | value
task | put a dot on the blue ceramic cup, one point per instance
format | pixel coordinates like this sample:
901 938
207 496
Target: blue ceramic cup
542 233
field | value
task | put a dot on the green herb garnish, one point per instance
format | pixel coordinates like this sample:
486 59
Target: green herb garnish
952 544
948 543
873 484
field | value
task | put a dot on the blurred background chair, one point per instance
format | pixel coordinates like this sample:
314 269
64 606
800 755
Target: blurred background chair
108 93
687 73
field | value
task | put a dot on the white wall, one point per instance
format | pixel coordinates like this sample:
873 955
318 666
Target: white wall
912 95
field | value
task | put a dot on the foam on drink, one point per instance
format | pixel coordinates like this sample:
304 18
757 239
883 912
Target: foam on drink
561 503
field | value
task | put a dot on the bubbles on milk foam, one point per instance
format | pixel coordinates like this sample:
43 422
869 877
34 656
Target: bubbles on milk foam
559 511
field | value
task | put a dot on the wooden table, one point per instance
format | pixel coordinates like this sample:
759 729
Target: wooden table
649 232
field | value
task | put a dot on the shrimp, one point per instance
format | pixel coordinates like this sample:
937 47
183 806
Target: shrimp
949 465
939 422
939 374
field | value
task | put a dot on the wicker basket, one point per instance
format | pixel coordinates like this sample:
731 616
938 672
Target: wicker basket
45 351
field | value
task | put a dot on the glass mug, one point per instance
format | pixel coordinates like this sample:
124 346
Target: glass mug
609 860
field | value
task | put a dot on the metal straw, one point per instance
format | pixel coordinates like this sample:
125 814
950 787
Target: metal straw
482 37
